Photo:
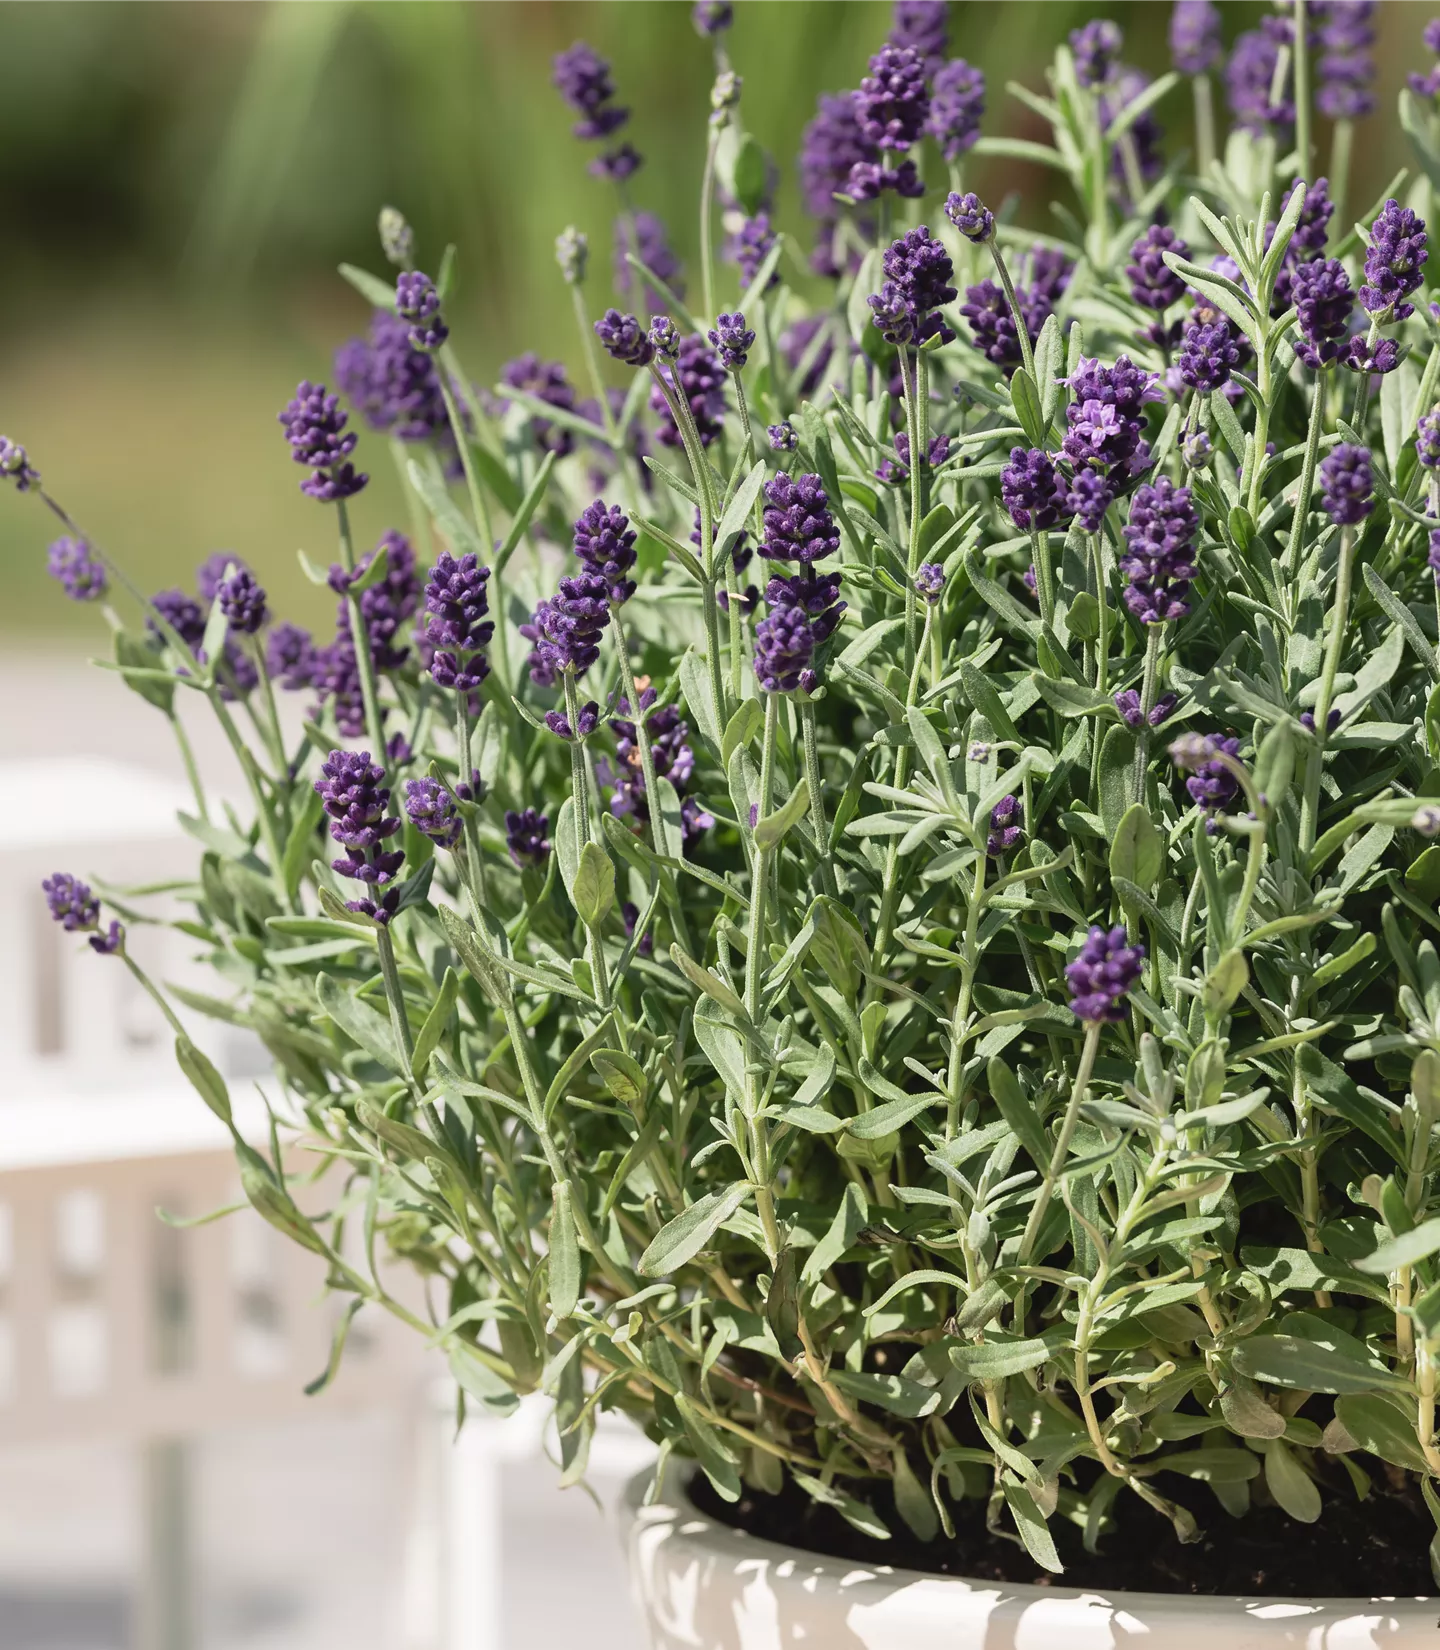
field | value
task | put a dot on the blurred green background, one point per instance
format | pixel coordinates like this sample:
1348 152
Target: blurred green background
181 180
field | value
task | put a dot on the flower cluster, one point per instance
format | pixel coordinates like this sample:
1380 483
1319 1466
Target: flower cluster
315 428
582 77
392 385
1159 559
696 377
804 606
75 565
353 794
1103 974
456 604
76 909
918 272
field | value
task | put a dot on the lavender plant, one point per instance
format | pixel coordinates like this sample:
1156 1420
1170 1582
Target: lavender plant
955 1020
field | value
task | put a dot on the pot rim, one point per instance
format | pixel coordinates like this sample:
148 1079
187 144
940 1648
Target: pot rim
674 1529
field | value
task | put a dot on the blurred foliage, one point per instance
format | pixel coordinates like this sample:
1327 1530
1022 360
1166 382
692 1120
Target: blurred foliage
192 174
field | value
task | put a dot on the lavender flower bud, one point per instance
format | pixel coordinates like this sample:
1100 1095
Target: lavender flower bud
712 17
1091 494
782 437
567 628
290 657
315 428
1195 46
971 217
1197 450
78 568
582 78
242 601
1393 263
77 910
1153 284
605 542
1427 439
1208 354
431 809
724 97
1103 974
784 646
589 719
397 238
1346 65
1005 827
893 101
1320 291
923 26
930 581
957 106
357 803
15 465
527 836
456 626
1347 486
623 337
1032 490
664 338
418 302
1159 562
1096 49
572 253
798 523
733 339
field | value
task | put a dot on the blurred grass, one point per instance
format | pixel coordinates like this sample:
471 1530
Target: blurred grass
193 173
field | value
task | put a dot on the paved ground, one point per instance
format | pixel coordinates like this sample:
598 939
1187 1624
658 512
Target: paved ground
300 1537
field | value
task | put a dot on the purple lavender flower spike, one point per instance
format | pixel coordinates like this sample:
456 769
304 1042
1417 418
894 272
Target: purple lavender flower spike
290 657
1381 356
582 77
1393 263
1091 495
749 247
712 17
1345 67
930 581
732 339
1210 759
623 337
1323 301
456 605
1347 484
644 235
957 106
1427 439
1306 243
418 302
1208 355
1153 284
1103 974
78 569
813 594
697 375
971 217
546 381
1005 827
242 600
798 523
918 272
568 627
392 385
1250 78
357 801
1096 50
527 836
1159 559
1032 490
210 574
922 25
1106 414
1428 85
431 809
15 465
605 542
182 613
893 99
782 437
784 646
315 428
1195 46
71 902
77 910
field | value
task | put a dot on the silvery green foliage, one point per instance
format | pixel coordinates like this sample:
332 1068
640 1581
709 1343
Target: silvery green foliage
799 1166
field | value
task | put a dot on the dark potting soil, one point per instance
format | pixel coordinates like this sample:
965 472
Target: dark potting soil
1359 1549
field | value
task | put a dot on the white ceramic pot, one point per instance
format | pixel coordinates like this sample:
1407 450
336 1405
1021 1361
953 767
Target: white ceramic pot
703 1586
